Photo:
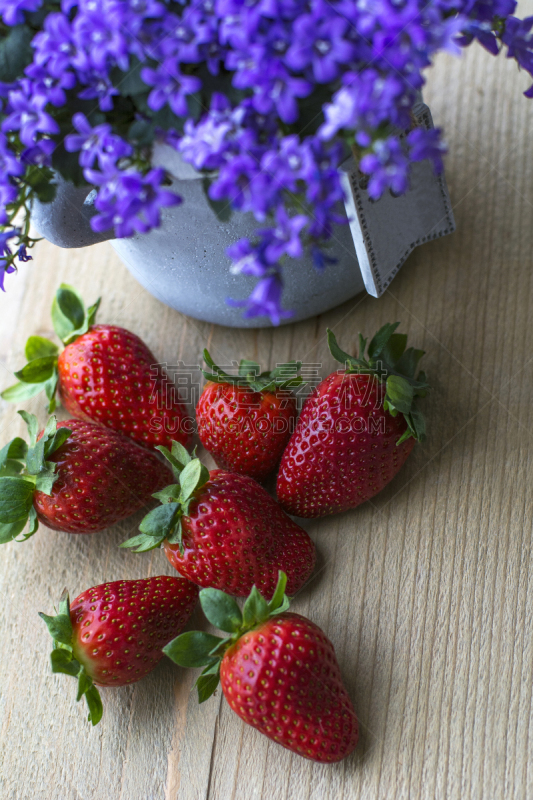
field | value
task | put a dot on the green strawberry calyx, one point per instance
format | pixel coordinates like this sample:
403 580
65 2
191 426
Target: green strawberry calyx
388 359
23 470
164 523
284 376
62 658
70 319
201 649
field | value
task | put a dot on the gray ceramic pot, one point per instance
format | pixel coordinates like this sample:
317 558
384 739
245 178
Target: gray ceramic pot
184 264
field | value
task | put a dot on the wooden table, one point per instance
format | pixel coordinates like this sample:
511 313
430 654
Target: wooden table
427 593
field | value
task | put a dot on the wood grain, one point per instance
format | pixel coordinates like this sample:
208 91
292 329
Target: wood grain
427 592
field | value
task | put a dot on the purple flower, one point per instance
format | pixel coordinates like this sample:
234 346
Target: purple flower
26 114
9 163
50 86
265 300
130 202
40 154
320 43
12 11
95 144
247 260
5 267
23 255
171 87
321 260
285 237
427 144
519 40
388 168
100 88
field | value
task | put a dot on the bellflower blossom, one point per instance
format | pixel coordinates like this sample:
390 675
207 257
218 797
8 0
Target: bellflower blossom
266 99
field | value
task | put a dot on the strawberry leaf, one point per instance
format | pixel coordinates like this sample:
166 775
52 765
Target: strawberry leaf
380 340
399 395
37 371
278 598
142 543
249 375
94 703
39 347
21 391
15 449
255 608
16 496
69 316
160 521
176 464
32 424
221 610
208 682
168 494
10 530
63 661
192 649
194 476
59 628
68 311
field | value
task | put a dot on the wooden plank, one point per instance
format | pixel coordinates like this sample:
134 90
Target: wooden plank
426 592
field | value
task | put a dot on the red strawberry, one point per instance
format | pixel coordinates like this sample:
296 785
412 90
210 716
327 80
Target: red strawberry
78 477
245 421
113 634
105 374
278 672
223 530
355 430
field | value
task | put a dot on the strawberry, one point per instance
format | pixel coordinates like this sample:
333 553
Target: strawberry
75 477
278 672
356 429
113 634
246 420
224 530
105 374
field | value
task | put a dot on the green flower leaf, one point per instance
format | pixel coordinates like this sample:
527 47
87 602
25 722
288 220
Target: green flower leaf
221 610
37 371
16 496
15 52
39 347
192 649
